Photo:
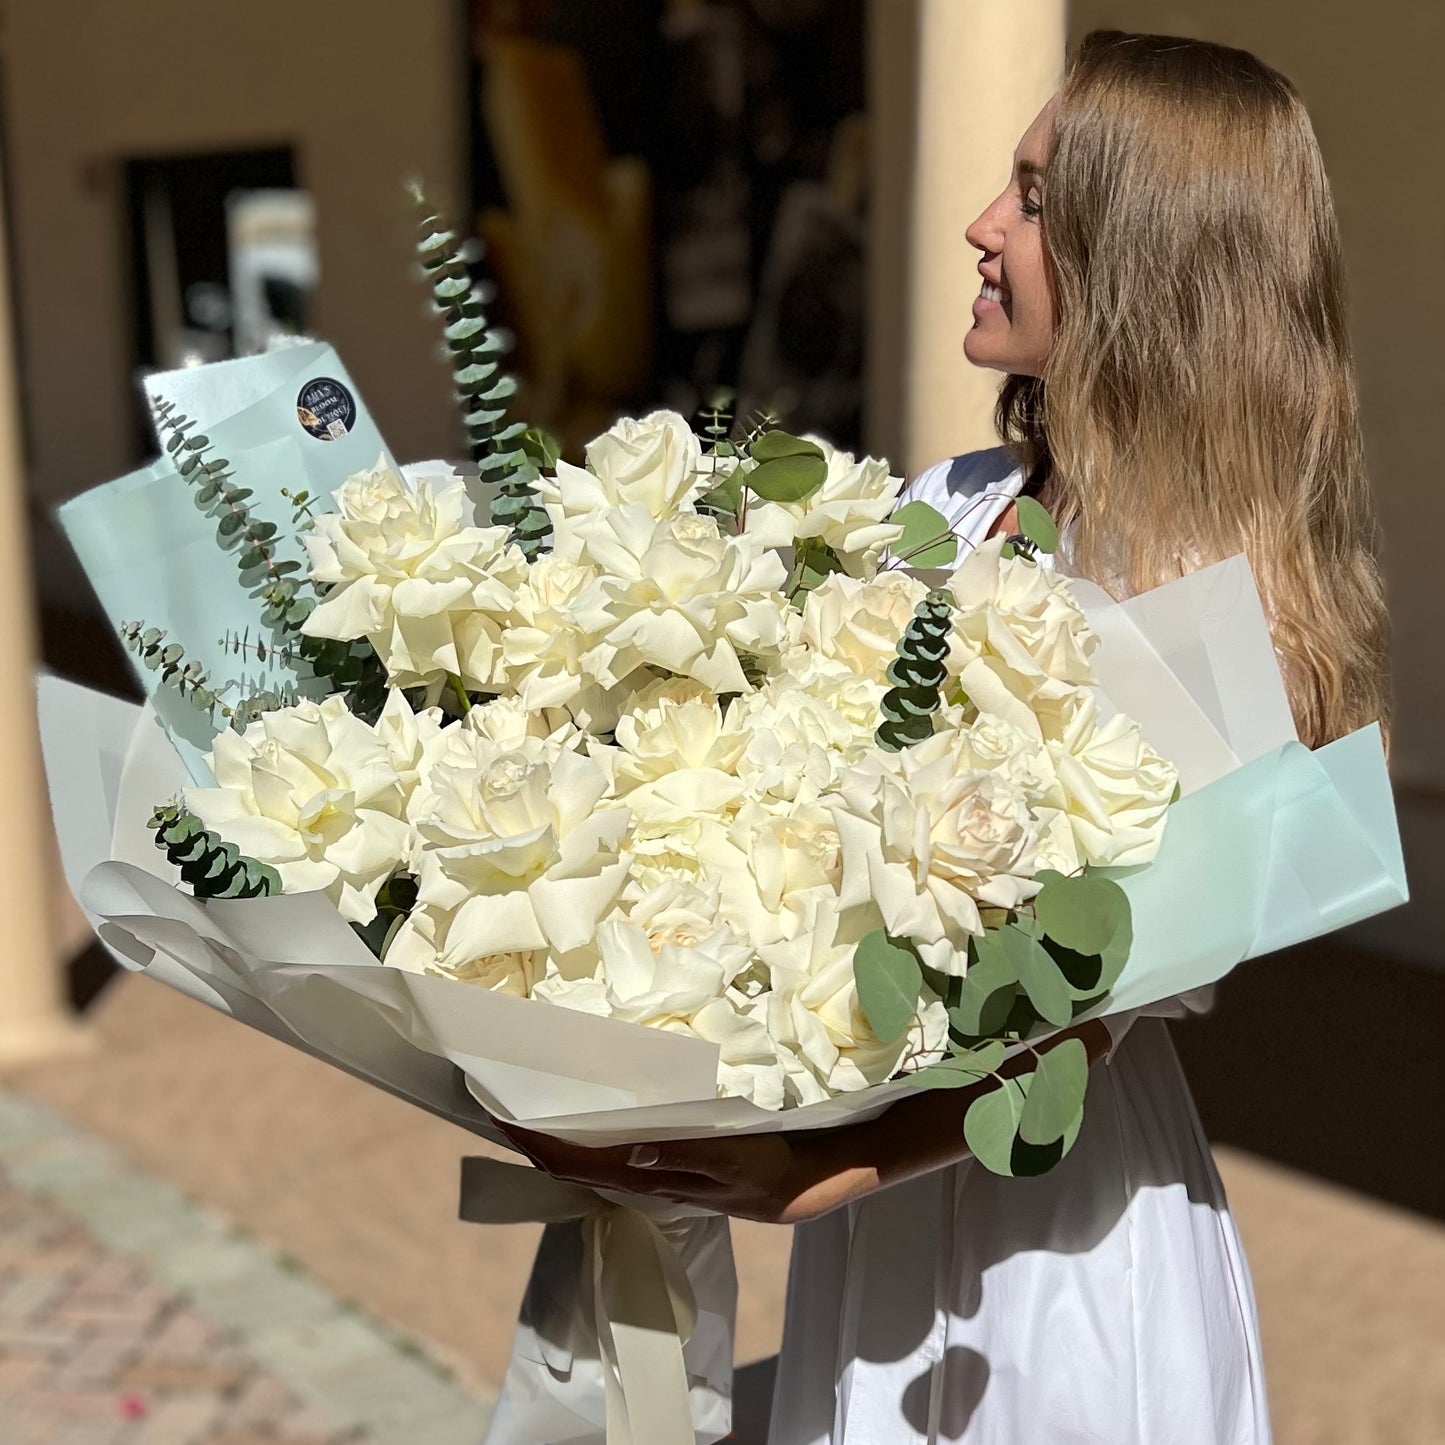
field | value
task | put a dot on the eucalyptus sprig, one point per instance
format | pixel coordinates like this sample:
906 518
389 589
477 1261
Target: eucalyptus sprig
189 679
917 674
211 867
484 390
238 530
1045 966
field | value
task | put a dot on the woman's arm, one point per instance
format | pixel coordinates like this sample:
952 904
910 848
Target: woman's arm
788 1178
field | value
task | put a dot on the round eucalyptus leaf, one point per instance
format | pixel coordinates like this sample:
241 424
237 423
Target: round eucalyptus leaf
1036 524
978 1062
927 540
988 991
1083 913
1056 1096
991 1125
774 446
788 478
1029 1160
727 496
1027 961
889 980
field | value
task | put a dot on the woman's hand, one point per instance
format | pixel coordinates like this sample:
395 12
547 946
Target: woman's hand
786 1178
774 1178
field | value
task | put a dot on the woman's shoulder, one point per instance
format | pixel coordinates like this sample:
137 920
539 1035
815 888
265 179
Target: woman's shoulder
967 477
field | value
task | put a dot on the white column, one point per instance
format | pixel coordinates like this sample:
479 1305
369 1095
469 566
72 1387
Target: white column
35 1020
981 70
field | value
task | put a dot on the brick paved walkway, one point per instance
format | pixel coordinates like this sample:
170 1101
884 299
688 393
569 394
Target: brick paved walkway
93 1352
130 1315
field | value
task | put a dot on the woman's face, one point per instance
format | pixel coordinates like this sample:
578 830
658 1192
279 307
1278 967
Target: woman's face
1013 318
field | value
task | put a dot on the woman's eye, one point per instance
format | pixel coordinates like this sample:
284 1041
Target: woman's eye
1032 206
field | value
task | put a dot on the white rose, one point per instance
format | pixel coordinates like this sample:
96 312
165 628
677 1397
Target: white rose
927 844
859 623
666 967
679 596
654 462
312 791
849 512
425 943
407 737
519 844
673 726
814 1014
990 744
1023 615
405 571
1116 790
796 742
544 650
775 868
508 722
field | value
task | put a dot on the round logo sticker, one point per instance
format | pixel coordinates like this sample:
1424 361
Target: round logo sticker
326 409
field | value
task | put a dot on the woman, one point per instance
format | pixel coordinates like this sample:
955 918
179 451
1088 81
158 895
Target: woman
1162 287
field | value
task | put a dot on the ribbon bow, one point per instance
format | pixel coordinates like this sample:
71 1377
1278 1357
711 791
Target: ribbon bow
642 1305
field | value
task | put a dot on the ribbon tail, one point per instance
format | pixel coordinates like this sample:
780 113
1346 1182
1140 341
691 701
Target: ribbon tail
642 1323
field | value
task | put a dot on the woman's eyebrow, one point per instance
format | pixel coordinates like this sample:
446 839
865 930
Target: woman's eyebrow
1029 171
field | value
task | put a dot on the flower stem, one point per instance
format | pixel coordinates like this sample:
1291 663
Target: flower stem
461 692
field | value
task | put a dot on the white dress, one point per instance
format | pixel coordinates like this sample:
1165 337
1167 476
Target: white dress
1107 1302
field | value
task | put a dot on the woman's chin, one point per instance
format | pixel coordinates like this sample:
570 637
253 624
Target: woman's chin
982 350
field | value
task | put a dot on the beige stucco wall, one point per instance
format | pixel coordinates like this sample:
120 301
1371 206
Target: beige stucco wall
368 93
1371 78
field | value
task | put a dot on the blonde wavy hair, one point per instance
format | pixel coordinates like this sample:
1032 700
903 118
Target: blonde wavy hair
1200 396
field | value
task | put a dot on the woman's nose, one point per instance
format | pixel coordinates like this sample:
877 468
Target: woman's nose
986 234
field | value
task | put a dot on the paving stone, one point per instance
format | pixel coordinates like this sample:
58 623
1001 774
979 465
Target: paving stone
266 1297
180 1421
171 1329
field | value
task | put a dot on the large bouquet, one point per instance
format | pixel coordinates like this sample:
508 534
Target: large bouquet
662 794
709 765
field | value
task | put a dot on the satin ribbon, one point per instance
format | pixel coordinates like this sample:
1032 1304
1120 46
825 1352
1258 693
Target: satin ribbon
642 1308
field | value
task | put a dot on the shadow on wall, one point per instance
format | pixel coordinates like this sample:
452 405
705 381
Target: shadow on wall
1328 1061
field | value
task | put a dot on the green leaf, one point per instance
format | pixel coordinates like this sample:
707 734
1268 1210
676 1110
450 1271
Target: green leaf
1036 524
774 446
1084 913
818 562
991 1125
541 448
229 525
889 979
988 992
727 496
921 525
1056 1096
977 1062
960 1070
788 479
1041 977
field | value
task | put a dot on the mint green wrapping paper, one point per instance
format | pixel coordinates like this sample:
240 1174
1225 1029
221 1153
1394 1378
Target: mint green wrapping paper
1289 847
151 553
